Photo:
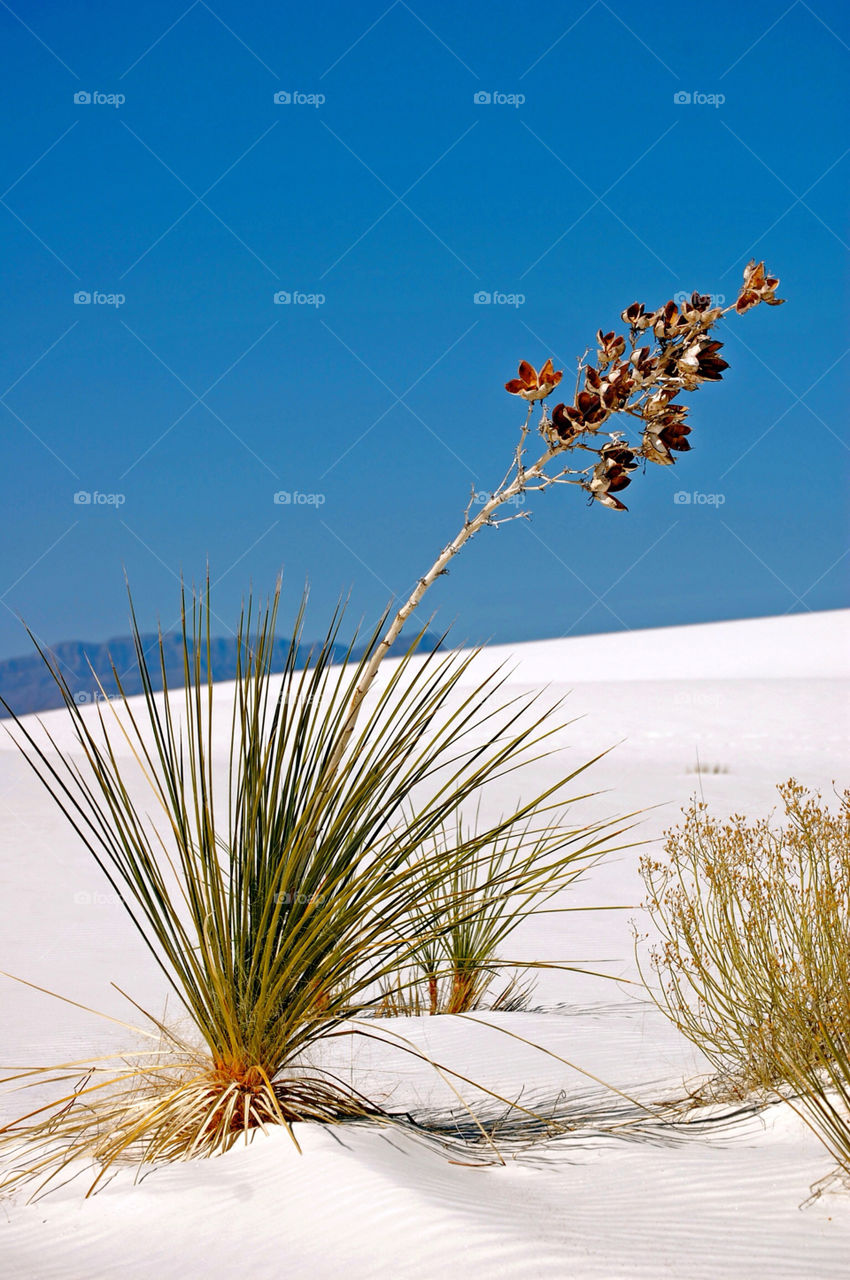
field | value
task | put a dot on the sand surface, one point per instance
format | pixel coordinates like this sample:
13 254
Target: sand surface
756 700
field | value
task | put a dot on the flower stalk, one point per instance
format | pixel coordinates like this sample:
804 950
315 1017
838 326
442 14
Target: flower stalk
642 385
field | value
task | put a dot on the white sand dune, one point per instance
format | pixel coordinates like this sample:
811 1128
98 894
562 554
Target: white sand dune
757 700
800 645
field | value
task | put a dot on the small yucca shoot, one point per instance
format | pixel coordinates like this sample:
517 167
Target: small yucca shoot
471 914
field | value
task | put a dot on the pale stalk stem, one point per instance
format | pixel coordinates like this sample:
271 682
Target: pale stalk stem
469 529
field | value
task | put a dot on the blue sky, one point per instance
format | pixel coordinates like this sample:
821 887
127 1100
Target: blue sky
385 208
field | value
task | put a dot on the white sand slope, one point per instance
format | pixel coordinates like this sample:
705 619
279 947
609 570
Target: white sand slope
759 700
797 646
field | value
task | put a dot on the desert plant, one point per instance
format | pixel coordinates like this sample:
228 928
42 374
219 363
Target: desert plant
281 921
481 905
754 952
467 918
275 926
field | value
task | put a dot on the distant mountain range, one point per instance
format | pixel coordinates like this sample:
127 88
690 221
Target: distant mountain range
26 684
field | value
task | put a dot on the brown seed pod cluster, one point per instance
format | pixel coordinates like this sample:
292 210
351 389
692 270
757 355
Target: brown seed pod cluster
666 352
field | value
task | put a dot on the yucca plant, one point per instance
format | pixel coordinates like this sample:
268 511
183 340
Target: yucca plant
467 918
278 910
753 960
277 924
